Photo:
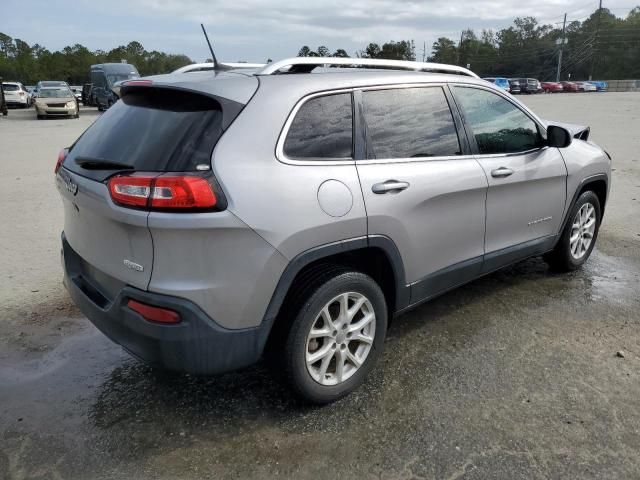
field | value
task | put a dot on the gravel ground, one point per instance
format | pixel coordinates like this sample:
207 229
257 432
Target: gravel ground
512 376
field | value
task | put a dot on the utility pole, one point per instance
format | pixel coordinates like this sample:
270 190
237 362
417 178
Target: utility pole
424 49
594 50
460 47
562 41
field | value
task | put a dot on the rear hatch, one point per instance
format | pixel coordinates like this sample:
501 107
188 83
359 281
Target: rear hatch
11 91
104 177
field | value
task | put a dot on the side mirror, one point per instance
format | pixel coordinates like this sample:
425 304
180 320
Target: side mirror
558 137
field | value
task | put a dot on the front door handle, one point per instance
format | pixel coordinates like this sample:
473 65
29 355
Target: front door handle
389 186
501 172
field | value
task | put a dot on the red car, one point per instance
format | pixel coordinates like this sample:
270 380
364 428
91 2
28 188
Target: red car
552 87
569 86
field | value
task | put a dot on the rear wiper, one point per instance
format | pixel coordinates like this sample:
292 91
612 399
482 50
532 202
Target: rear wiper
90 163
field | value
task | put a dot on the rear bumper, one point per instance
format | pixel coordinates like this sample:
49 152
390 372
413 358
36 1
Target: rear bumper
196 345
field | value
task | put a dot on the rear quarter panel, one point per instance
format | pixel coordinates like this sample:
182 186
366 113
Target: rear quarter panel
280 200
216 261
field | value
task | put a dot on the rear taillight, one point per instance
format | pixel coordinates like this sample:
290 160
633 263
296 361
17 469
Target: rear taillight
61 156
163 192
154 314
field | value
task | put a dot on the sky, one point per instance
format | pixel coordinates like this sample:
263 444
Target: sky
254 30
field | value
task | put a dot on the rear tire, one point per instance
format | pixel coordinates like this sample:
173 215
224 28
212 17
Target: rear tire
340 319
578 236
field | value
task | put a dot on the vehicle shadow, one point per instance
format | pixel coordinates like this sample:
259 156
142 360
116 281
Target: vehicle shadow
135 394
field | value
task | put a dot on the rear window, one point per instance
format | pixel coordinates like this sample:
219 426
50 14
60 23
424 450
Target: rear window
8 87
153 130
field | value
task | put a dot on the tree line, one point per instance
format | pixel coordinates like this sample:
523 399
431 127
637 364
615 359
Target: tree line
28 64
603 45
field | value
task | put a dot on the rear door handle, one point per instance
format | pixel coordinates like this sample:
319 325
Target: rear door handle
389 186
501 172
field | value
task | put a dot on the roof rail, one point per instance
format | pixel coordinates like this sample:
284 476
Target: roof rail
307 64
196 67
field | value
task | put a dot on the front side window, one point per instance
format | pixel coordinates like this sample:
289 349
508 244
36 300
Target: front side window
497 125
409 123
322 129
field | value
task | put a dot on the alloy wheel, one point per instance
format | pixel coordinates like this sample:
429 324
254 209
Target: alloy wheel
340 338
582 231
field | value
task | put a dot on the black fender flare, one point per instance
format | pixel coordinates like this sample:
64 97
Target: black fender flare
586 181
307 257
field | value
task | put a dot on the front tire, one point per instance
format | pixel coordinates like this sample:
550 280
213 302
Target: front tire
579 234
336 337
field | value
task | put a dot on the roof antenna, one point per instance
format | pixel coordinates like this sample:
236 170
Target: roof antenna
213 55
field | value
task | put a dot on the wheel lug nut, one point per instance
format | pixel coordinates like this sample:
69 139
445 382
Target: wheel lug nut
344 327
334 333
333 346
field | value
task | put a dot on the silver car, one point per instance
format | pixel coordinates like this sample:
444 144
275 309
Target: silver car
293 210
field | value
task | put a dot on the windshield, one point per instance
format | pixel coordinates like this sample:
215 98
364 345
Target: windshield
117 77
10 87
54 93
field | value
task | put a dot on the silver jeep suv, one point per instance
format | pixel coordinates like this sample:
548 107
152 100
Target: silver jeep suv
215 217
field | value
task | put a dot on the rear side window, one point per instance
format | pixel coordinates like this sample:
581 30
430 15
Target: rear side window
153 130
322 129
409 123
498 126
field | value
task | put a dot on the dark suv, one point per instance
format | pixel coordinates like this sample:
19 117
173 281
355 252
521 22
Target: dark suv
528 85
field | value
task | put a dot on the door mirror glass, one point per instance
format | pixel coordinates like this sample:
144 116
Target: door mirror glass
558 137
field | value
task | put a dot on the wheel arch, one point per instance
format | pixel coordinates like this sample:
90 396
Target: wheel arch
599 184
375 255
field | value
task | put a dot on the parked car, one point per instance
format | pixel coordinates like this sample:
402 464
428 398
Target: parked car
15 95
601 86
440 178
103 78
569 86
514 86
501 82
56 101
529 85
86 95
551 87
586 87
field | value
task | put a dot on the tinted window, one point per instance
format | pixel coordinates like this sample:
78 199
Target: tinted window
153 130
498 126
322 128
410 122
98 79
